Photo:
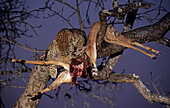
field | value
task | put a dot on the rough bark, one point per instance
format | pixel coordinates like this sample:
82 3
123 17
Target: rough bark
135 80
38 80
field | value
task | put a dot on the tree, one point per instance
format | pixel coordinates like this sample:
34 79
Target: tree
155 32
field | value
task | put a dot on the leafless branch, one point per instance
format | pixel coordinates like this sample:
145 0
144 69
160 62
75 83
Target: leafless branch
87 16
135 80
22 46
105 100
114 4
164 41
97 3
67 5
79 16
33 85
14 72
13 25
56 13
7 84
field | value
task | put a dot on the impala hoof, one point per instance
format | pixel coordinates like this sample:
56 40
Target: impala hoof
94 71
94 74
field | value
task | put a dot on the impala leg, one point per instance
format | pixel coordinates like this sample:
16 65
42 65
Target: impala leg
145 47
132 42
91 53
119 42
56 62
112 36
64 77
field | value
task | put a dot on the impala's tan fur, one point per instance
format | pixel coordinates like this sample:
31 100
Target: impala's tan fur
60 63
91 50
64 77
112 36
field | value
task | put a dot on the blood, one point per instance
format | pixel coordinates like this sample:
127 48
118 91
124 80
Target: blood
78 68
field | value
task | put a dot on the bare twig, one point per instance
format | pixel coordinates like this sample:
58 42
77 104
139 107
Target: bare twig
151 97
104 99
22 46
114 4
87 16
164 41
96 3
135 80
79 16
67 5
60 16
7 84
14 72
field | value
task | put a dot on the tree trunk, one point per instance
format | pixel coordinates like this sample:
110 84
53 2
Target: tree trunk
37 81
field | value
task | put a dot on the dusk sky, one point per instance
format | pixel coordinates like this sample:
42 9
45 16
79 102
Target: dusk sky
131 62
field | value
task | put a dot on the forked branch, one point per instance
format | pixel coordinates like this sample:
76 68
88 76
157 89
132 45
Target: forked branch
135 80
29 49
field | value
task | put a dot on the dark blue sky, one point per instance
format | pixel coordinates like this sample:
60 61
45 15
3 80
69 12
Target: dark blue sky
131 62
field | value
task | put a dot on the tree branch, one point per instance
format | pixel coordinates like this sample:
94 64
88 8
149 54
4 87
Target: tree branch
142 35
67 5
164 41
10 85
22 46
37 81
15 71
135 80
56 13
79 16
151 97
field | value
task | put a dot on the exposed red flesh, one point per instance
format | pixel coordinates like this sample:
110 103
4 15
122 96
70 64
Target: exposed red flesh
78 67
